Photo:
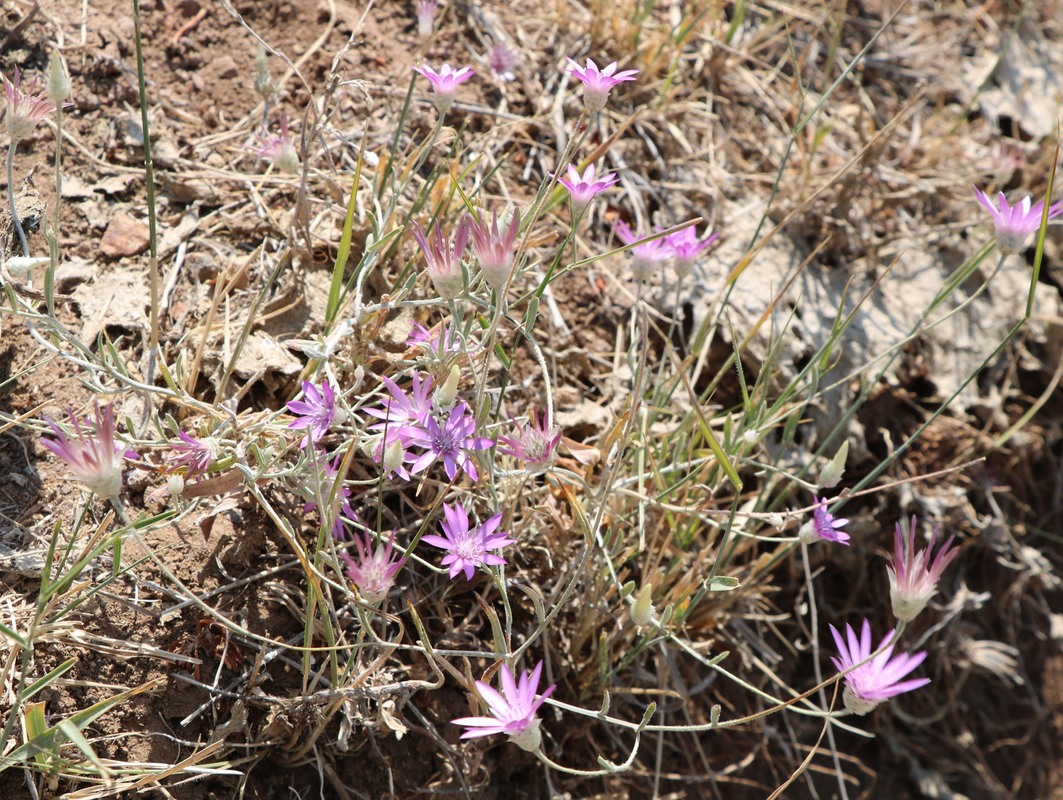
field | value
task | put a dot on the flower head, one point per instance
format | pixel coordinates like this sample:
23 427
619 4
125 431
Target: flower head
191 456
494 250
583 188
403 409
372 570
645 255
451 442
824 526
686 247
278 150
535 445
445 83
426 12
597 83
317 412
93 457
25 108
503 59
513 710
468 548
913 576
443 261
441 343
880 678
1014 224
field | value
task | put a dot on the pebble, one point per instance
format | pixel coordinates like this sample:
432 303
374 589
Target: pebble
124 236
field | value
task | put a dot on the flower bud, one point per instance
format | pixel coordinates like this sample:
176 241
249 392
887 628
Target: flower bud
58 80
832 473
393 454
176 484
642 611
448 392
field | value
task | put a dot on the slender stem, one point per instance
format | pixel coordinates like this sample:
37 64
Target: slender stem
11 197
149 179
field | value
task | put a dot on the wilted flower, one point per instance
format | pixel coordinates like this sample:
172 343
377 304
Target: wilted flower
494 250
686 247
426 12
597 83
468 548
445 82
24 108
824 526
513 709
318 411
880 678
913 576
1014 224
278 150
645 255
444 261
503 59
451 442
583 188
372 570
535 445
93 457
191 456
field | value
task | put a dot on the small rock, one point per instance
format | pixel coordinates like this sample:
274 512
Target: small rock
124 236
226 67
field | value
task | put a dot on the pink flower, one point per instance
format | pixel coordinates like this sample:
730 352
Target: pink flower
513 710
468 548
25 108
494 250
372 571
317 411
583 188
426 12
1014 224
824 526
401 409
645 255
880 678
597 83
503 59
94 458
445 82
535 445
191 456
444 261
278 150
686 247
452 442
913 576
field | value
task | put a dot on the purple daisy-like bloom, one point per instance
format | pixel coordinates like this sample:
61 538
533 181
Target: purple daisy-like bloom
598 82
880 678
278 150
317 411
93 457
426 12
824 526
535 445
646 256
583 188
401 409
503 59
445 83
25 108
443 261
191 456
372 570
913 576
513 710
450 443
1014 224
686 247
468 548
494 250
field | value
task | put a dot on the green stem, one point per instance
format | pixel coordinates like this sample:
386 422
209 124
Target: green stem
11 197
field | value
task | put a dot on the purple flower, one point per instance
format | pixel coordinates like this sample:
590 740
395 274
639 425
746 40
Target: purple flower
686 247
468 548
503 59
93 457
445 82
372 571
401 409
597 83
451 443
494 250
583 188
645 255
317 411
880 678
513 709
440 343
1014 224
24 108
444 261
913 576
426 12
824 526
192 457
535 445
278 150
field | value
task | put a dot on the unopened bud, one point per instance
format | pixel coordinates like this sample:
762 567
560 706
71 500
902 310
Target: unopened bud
393 454
642 611
58 80
448 392
19 266
176 484
263 84
832 473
